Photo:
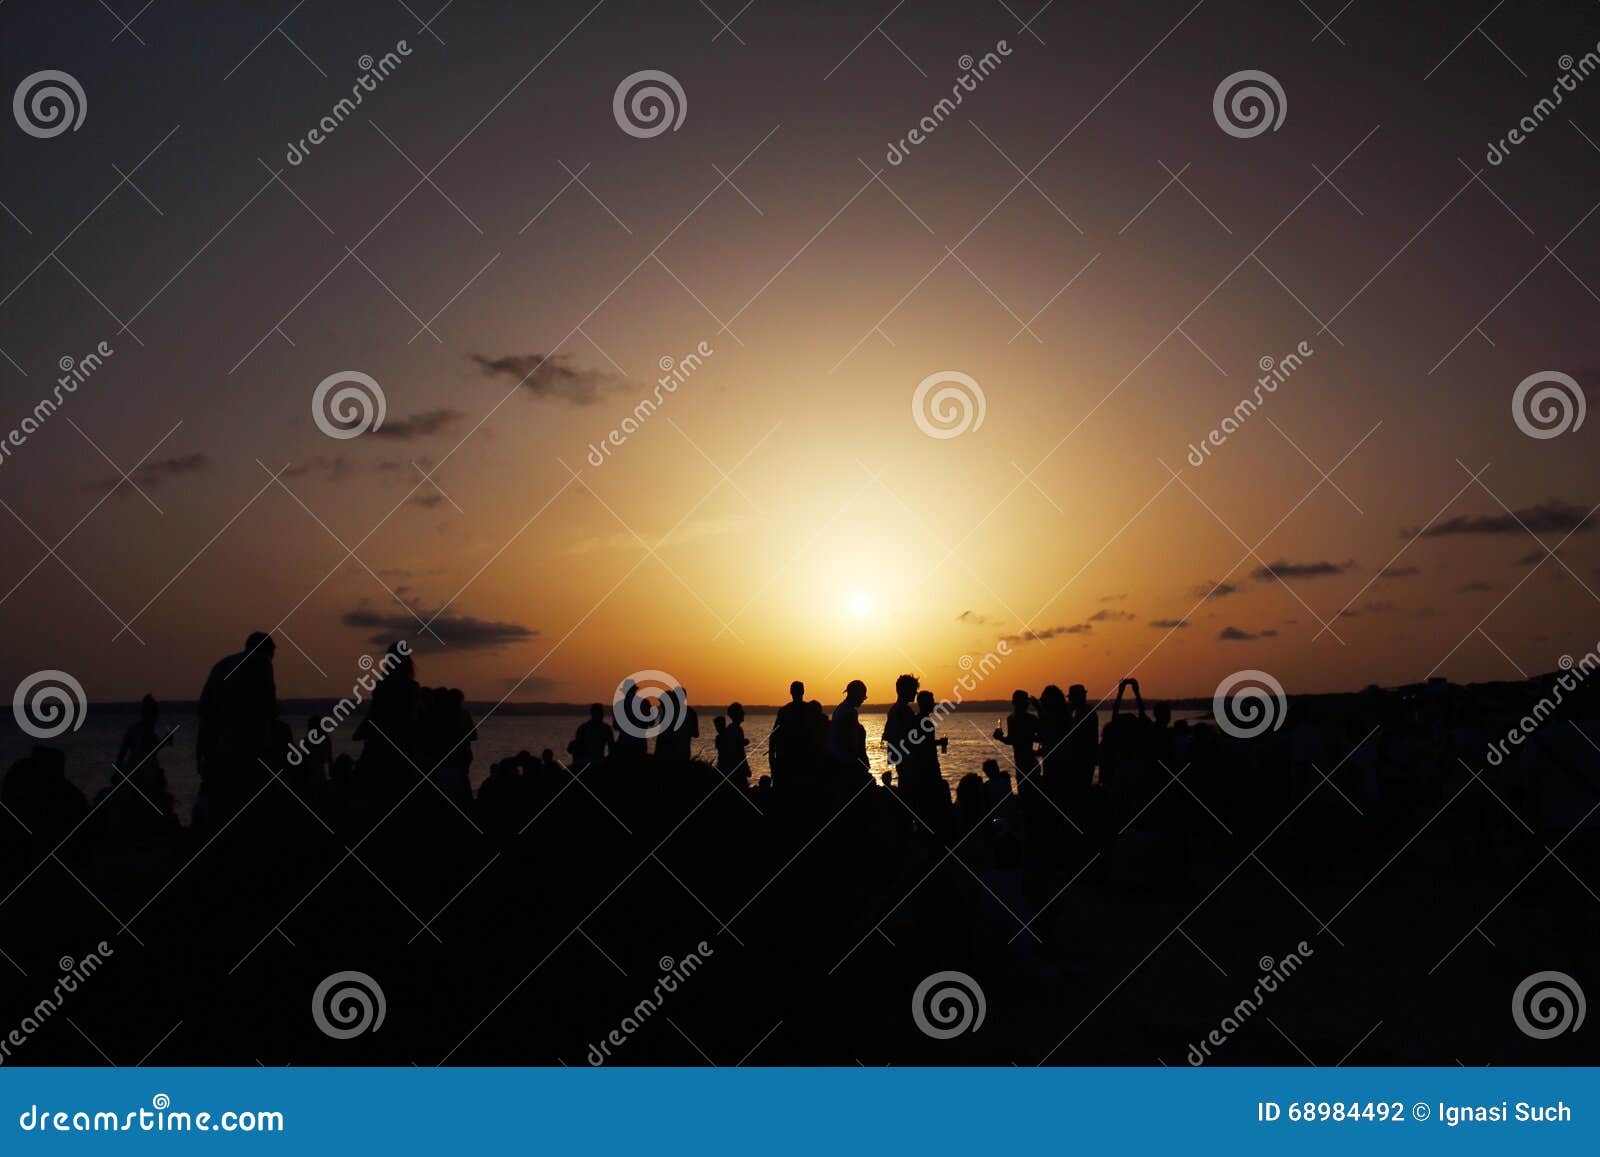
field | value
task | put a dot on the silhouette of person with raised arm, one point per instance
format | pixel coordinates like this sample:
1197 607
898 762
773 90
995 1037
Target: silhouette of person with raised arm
238 710
592 742
847 739
1121 750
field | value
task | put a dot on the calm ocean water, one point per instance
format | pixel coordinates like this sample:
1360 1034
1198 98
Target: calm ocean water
93 746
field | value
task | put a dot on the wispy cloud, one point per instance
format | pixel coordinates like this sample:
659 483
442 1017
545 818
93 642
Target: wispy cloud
1284 569
418 425
1047 633
1235 635
1398 572
1170 624
1113 617
549 376
1209 590
1551 517
460 632
153 474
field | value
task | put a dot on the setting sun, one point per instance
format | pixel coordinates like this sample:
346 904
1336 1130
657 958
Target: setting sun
861 605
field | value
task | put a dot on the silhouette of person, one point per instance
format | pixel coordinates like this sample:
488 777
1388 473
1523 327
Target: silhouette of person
901 719
920 775
847 739
238 710
790 746
731 744
392 727
591 744
1021 732
1082 746
141 741
626 714
676 743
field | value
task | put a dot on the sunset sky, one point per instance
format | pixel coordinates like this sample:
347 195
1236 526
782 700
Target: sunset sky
1080 237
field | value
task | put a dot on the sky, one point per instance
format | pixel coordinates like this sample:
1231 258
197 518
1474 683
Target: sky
1085 244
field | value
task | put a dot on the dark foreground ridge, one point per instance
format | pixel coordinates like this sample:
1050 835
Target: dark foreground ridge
1367 879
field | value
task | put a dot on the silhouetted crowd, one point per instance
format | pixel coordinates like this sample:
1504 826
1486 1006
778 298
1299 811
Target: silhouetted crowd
1071 853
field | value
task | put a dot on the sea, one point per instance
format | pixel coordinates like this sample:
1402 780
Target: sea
91 748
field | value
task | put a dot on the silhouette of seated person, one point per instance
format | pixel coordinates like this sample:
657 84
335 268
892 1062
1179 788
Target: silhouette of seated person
37 794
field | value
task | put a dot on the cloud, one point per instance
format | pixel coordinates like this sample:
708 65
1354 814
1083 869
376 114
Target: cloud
1235 635
329 469
1269 633
458 631
1380 608
153 474
549 376
1170 624
1394 572
1534 557
1047 633
1209 590
427 500
1551 517
974 618
1113 598
1285 569
1112 616
418 425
